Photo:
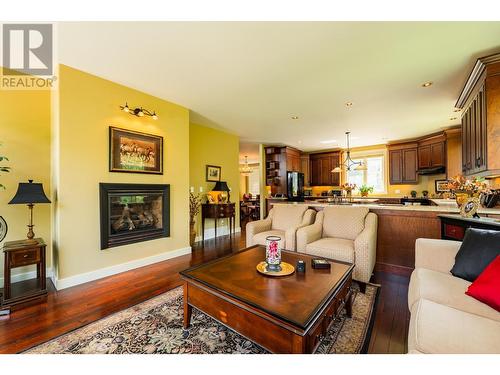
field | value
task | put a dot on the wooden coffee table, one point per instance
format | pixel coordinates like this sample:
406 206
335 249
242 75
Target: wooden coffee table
289 314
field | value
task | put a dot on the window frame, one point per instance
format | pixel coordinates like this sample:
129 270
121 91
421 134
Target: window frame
360 155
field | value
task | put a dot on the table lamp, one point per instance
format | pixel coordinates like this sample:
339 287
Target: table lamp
30 193
222 186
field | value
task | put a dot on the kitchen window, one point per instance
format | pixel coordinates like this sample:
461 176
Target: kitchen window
373 176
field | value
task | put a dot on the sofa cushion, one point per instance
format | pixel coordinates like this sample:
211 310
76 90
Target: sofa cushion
479 248
332 248
260 238
486 288
287 216
436 328
447 290
344 221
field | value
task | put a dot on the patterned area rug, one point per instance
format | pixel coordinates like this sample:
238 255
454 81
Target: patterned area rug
155 326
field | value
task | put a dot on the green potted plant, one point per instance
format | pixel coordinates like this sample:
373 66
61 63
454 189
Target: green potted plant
3 168
413 193
425 193
365 189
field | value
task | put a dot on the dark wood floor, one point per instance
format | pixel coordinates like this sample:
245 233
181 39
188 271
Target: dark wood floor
75 307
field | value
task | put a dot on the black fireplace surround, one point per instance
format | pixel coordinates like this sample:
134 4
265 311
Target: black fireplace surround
133 213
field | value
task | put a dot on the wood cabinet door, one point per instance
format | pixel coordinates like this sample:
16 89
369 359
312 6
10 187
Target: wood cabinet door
395 167
315 171
334 177
438 155
480 132
410 166
424 156
326 170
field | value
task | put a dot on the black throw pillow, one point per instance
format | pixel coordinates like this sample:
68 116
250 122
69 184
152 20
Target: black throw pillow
479 248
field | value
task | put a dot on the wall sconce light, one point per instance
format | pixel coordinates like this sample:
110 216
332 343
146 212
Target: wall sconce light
139 111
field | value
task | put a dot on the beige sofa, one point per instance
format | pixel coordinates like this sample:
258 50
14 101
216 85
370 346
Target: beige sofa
343 233
443 318
283 220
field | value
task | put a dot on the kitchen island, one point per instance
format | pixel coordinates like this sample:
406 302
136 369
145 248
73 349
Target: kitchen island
399 226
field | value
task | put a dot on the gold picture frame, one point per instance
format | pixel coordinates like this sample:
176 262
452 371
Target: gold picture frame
470 207
135 152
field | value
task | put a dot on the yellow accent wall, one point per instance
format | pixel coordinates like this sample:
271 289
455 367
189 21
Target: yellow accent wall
214 147
25 137
88 105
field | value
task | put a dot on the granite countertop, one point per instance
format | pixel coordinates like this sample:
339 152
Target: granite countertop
445 208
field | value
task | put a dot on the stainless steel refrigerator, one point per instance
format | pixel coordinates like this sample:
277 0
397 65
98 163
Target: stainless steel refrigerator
295 186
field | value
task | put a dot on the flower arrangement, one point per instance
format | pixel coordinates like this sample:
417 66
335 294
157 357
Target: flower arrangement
365 189
472 186
194 210
348 187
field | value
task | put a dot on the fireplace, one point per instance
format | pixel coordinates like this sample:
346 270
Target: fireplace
133 213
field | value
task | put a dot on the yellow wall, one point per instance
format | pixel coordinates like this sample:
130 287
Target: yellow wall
88 106
213 147
25 135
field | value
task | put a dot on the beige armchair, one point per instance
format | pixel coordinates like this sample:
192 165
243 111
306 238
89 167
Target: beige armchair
343 233
283 221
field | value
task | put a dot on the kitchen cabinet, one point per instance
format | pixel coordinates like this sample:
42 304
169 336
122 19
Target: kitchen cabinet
321 166
403 163
432 152
479 101
280 160
305 168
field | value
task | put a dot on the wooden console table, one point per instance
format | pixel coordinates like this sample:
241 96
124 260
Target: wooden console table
218 211
20 254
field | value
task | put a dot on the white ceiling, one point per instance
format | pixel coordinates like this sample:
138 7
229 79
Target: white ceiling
250 78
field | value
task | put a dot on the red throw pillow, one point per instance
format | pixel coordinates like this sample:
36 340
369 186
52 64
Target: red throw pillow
486 288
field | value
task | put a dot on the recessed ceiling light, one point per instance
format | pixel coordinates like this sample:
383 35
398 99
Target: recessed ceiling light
328 141
348 104
295 117
299 142
452 118
427 84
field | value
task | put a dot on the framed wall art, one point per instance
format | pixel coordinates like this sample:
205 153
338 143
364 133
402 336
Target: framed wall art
441 186
213 173
135 152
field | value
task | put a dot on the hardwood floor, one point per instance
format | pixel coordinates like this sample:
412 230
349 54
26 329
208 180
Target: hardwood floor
75 307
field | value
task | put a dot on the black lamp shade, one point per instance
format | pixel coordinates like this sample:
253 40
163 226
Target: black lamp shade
221 186
28 193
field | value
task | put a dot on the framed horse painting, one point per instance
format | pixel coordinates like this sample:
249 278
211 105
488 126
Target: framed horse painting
135 152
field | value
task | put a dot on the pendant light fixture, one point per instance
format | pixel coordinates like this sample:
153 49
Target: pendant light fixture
246 170
348 163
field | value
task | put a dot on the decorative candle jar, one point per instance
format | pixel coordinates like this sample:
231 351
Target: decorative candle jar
273 253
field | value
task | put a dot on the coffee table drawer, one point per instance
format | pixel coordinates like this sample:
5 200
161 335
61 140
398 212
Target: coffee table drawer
315 336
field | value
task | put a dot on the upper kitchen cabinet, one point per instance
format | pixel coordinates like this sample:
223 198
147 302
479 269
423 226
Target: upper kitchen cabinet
432 152
480 104
403 163
321 166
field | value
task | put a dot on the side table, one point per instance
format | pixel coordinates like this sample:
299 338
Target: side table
218 211
19 254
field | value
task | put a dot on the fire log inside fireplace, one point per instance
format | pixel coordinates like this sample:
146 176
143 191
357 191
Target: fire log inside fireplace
133 213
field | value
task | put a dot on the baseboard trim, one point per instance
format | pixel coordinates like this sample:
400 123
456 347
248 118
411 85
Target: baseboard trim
14 278
210 233
119 268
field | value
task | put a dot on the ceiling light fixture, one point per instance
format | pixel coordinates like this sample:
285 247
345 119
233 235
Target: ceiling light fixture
427 84
246 170
295 117
348 163
453 118
348 104
457 109
138 111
